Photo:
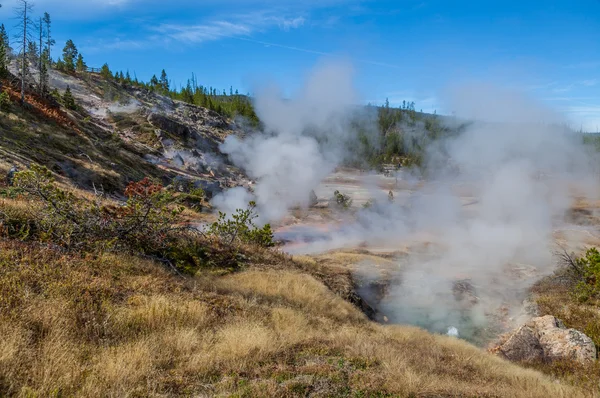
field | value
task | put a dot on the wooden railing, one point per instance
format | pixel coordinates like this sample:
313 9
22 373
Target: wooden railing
94 70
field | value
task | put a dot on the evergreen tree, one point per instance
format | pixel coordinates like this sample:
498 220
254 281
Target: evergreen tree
69 56
80 65
154 81
32 53
164 81
49 41
128 77
4 40
44 78
105 72
4 52
69 100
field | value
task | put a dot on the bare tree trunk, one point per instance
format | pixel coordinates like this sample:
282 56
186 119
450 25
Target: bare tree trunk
24 53
41 59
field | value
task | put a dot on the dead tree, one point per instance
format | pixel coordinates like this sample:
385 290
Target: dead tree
24 11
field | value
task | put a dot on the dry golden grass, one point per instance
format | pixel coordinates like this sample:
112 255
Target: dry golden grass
82 325
122 326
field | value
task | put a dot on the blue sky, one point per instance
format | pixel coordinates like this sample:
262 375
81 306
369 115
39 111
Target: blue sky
403 50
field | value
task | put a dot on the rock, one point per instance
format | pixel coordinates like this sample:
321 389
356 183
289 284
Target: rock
547 339
10 176
523 345
211 188
167 124
313 200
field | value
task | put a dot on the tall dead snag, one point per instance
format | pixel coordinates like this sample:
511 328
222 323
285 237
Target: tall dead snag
24 10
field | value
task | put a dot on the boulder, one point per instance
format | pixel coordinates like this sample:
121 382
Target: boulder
167 124
547 339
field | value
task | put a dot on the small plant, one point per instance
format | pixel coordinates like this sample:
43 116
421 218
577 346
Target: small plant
588 268
4 101
341 200
241 228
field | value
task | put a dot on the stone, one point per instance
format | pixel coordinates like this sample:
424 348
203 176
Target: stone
10 176
313 199
547 339
172 126
523 346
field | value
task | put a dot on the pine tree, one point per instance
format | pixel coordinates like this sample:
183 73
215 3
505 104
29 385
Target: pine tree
69 56
44 79
4 52
5 40
49 41
164 81
80 65
32 53
128 77
105 72
154 81
69 100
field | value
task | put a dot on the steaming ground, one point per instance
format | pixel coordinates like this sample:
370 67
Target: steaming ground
465 243
412 276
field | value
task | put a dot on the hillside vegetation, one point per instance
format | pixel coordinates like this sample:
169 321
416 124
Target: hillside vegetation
115 324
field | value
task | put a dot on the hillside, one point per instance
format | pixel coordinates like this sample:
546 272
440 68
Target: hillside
115 295
118 134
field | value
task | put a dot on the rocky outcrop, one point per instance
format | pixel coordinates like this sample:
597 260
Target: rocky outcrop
547 339
313 200
167 124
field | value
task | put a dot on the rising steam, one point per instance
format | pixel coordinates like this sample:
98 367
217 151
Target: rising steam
302 143
490 222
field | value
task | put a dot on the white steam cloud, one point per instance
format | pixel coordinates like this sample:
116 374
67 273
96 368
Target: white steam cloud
301 145
489 222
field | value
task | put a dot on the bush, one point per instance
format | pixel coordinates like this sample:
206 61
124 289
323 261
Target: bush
4 101
340 200
588 268
241 228
144 223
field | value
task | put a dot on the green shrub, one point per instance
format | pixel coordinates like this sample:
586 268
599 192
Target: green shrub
588 268
340 200
241 228
144 223
4 101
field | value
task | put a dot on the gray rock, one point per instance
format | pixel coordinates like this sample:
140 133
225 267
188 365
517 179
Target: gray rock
547 339
172 126
211 188
523 345
313 200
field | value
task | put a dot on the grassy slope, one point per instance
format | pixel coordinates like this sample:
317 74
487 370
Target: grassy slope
116 325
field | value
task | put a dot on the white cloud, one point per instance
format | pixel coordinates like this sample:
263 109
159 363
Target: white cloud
241 25
590 82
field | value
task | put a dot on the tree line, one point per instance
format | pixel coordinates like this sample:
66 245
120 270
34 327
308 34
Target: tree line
33 48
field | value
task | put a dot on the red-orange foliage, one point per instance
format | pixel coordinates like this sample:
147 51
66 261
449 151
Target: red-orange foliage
41 106
142 189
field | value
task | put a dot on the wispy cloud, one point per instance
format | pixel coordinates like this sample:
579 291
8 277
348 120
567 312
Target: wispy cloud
233 27
583 65
590 82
